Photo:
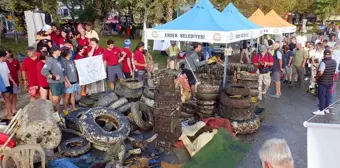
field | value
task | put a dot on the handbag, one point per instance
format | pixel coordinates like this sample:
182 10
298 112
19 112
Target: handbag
2 85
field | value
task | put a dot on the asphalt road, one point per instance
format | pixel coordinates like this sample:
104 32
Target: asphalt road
284 118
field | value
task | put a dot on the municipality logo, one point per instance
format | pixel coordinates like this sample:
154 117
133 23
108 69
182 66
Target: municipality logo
276 30
154 34
217 37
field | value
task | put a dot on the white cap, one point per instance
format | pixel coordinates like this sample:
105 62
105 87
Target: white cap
46 28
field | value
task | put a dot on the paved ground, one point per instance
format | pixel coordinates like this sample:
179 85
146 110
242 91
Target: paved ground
284 118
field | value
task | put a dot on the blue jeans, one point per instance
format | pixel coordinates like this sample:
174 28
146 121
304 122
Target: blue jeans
334 93
324 95
205 50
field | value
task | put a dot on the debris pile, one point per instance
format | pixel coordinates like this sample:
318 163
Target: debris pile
206 99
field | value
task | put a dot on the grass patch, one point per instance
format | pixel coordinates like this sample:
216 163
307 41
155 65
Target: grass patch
119 41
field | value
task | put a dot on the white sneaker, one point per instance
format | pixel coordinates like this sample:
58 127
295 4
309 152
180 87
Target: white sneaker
319 112
306 79
326 111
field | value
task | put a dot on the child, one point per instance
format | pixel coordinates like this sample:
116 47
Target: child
71 79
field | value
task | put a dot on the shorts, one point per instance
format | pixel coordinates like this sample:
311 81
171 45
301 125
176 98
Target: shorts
127 75
172 58
46 88
276 76
288 70
190 76
72 89
9 89
113 71
33 91
57 89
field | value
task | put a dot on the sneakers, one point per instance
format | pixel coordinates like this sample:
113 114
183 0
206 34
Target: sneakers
319 112
275 96
326 111
306 78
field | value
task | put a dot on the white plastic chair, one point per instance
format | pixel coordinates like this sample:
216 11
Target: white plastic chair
23 156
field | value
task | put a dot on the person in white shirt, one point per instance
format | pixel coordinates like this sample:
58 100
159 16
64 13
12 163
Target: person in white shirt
6 77
301 39
316 57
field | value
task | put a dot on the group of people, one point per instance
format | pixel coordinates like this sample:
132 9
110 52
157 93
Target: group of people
297 61
49 70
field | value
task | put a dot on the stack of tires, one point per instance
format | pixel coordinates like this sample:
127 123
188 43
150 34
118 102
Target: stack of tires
166 111
129 88
250 80
207 95
236 105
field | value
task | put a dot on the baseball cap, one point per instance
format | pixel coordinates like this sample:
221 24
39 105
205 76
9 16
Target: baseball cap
30 48
46 28
54 48
327 52
127 43
262 48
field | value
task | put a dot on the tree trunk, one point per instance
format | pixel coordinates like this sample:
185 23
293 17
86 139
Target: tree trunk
98 22
169 10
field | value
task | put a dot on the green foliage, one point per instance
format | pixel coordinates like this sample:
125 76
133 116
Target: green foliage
324 8
88 14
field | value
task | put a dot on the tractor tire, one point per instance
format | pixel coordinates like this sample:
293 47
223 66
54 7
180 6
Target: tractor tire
106 100
236 114
207 96
94 133
131 84
74 147
142 116
207 88
128 93
236 103
118 103
247 126
236 90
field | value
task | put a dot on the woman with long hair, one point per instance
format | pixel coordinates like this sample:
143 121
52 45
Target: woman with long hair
80 51
44 89
139 62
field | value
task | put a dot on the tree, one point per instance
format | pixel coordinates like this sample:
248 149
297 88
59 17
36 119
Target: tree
72 7
324 8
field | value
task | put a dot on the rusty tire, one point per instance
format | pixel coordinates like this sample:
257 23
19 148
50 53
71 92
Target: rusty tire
248 83
236 89
246 127
142 116
74 147
236 103
236 114
97 134
207 88
207 96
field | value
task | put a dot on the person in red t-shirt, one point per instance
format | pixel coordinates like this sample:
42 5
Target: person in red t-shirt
44 89
126 64
83 41
94 49
30 74
62 38
80 55
41 49
111 57
140 62
14 68
55 34
264 61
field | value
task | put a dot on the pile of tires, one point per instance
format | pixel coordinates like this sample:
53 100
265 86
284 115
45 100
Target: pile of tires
148 97
250 80
207 95
236 104
129 88
188 110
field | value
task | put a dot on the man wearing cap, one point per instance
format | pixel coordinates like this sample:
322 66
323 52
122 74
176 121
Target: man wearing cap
172 52
30 73
264 61
299 61
111 57
126 64
54 73
325 80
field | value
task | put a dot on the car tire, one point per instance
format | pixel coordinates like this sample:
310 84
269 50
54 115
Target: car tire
236 90
128 93
74 147
236 103
207 88
149 93
206 102
248 83
189 109
246 127
131 84
125 108
236 114
86 102
254 92
106 100
243 75
96 134
72 118
142 116
118 103
147 101
206 96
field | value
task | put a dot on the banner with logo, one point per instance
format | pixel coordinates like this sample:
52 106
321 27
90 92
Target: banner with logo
323 144
203 36
90 69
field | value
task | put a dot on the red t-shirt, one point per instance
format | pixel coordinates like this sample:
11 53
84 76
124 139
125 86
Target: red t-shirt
139 57
13 67
61 41
266 58
42 81
54 38
111 56
83 42
37 54
78 57
30 67
125 66
98 51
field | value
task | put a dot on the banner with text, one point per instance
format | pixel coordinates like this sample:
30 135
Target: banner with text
90 69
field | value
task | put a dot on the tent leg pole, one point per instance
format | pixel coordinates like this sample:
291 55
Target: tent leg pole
258 43
225 68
